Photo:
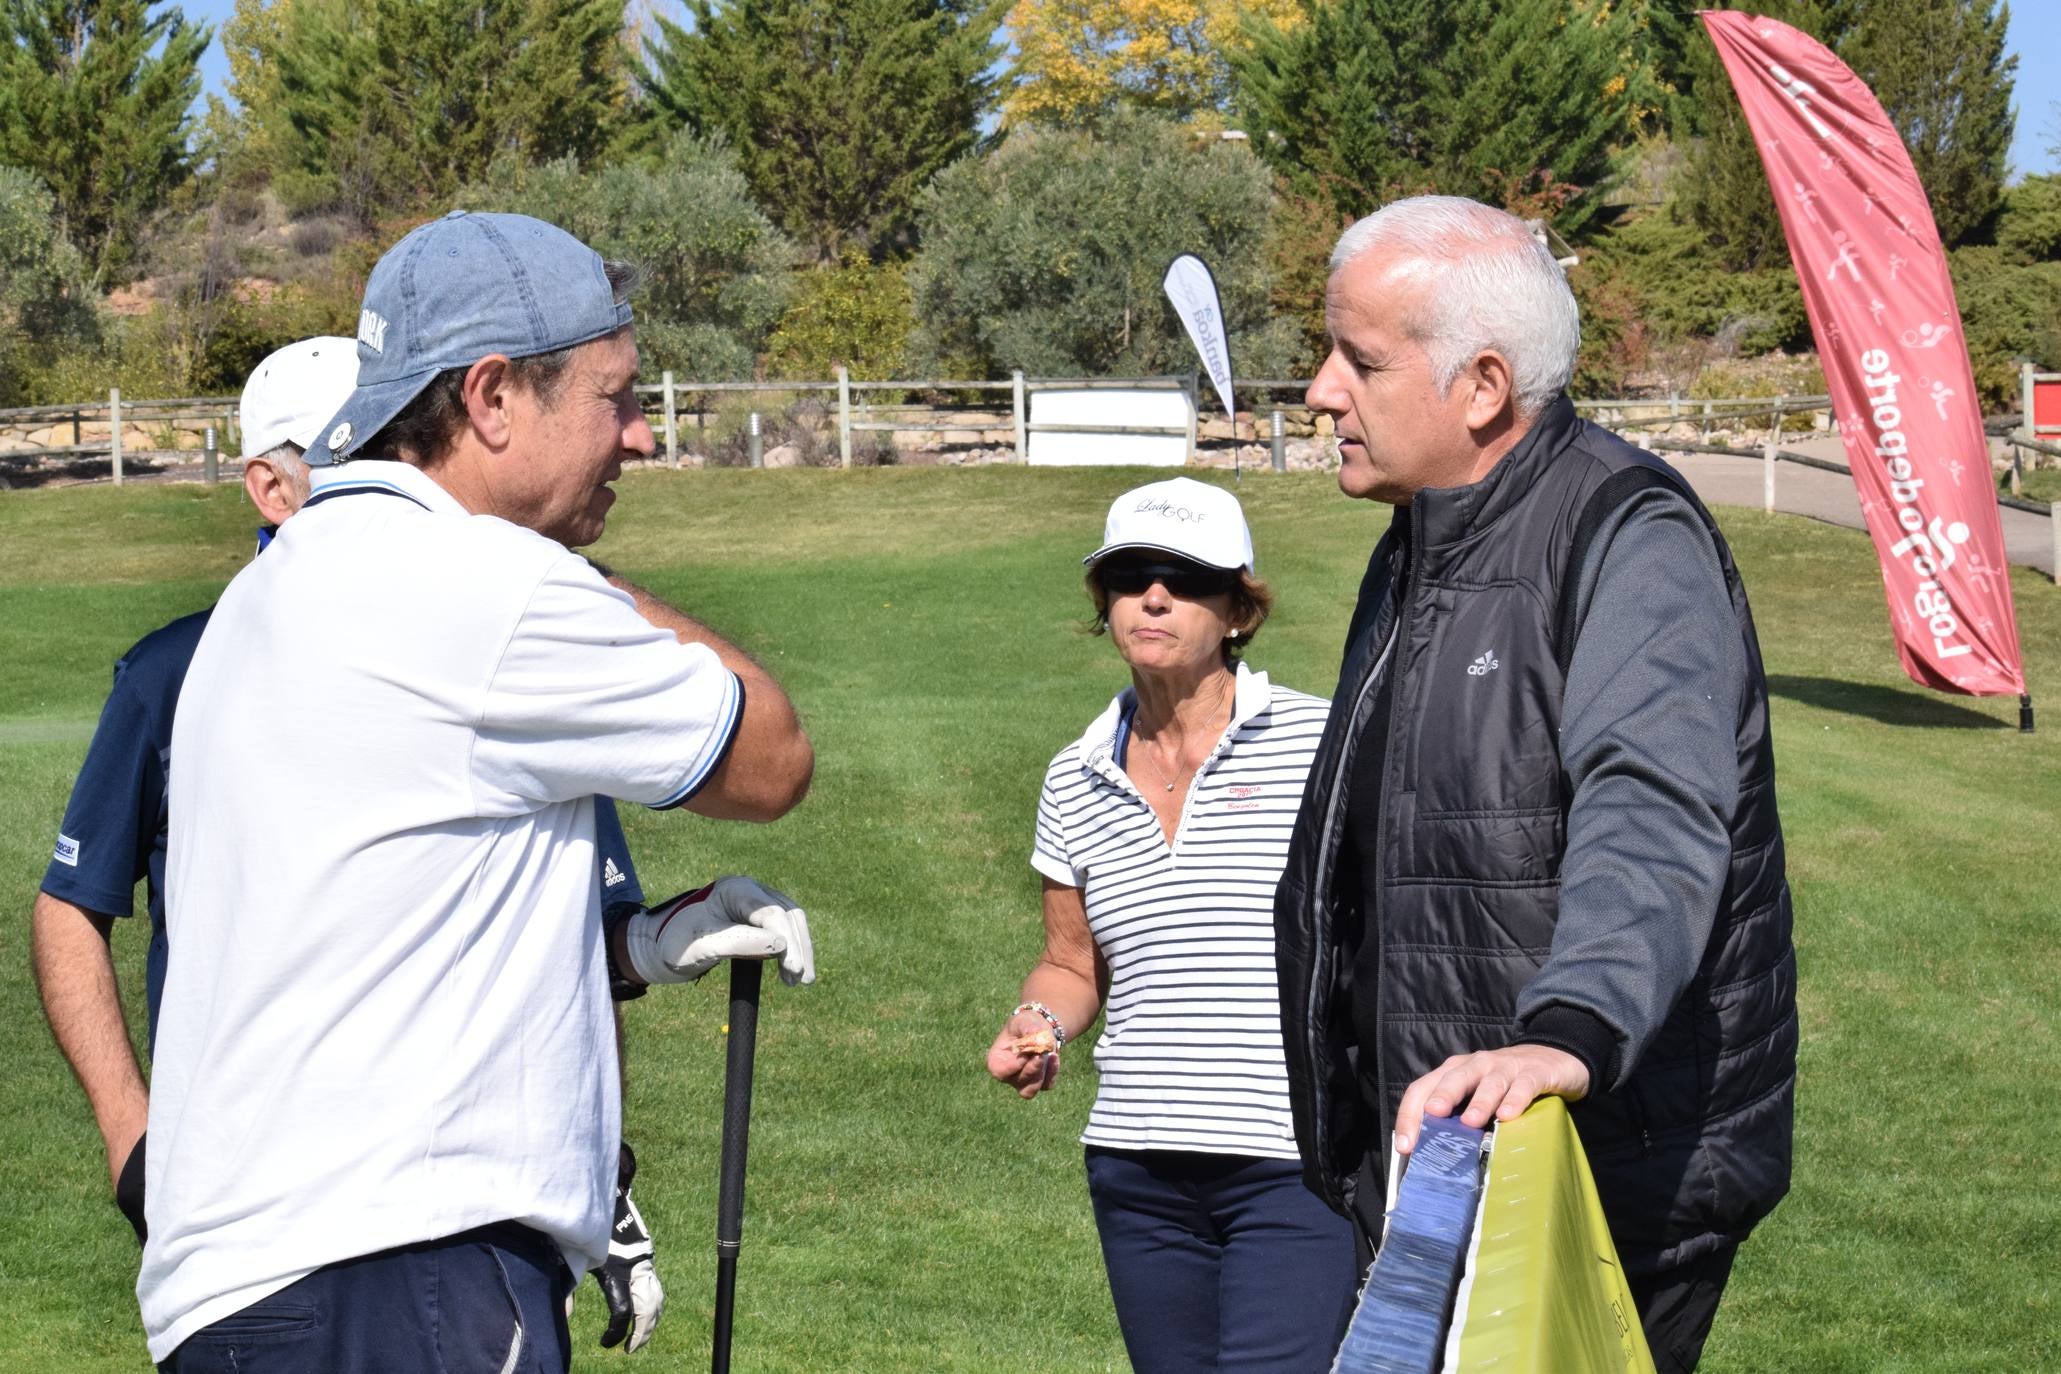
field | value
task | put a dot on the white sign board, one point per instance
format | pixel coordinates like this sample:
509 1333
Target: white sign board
1169 410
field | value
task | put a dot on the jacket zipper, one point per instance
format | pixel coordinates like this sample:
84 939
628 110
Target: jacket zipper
1327 853
1388 771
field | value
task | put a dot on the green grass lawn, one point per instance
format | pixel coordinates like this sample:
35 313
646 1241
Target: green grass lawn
907 1214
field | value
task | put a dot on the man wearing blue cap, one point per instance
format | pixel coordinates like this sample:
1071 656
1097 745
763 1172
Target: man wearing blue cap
384 1116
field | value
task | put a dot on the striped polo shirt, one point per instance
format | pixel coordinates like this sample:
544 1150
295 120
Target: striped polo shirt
1190 1052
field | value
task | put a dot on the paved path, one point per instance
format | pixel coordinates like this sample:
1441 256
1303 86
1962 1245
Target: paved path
1830 496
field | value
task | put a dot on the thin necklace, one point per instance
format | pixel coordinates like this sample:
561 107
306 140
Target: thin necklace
1162 773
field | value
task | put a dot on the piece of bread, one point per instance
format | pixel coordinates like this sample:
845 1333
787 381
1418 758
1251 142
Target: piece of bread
1038 1042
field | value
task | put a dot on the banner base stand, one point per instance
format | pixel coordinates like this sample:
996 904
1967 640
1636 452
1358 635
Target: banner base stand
2025 713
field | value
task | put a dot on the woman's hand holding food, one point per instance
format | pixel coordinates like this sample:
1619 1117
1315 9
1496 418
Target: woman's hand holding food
1026 1053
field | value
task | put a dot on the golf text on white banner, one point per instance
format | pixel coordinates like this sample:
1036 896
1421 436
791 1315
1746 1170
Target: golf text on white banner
1193 290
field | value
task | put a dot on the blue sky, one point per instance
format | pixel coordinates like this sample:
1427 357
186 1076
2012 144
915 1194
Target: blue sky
2035 37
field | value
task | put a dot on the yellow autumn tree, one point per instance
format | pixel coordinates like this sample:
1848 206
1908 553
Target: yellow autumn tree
1074 60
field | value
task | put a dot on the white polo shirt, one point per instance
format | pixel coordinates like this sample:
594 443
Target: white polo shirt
386 1018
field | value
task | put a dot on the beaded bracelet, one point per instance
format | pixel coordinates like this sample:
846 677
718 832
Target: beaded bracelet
1051 1019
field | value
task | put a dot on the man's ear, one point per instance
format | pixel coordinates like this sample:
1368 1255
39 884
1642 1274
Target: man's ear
1492 395
270 492
489 393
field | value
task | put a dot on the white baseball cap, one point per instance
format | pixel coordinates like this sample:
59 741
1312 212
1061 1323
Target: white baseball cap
294 391
1183 517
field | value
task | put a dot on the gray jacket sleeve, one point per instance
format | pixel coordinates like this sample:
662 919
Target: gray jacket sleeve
1648 739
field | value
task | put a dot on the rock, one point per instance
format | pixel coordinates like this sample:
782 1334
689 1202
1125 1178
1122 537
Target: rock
783 456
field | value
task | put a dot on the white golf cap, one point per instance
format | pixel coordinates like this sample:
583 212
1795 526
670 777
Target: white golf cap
292 394
1183 517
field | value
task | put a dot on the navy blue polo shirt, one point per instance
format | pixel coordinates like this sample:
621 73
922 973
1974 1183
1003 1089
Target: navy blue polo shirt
113 835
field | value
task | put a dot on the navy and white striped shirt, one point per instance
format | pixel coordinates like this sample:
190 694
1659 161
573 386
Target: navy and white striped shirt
1190 1052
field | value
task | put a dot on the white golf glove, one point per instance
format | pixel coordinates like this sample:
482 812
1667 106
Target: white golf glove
636 1299
731 918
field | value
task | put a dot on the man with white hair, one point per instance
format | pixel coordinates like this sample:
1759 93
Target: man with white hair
113 832
1539 851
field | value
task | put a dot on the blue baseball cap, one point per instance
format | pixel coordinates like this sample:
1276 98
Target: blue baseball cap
452 292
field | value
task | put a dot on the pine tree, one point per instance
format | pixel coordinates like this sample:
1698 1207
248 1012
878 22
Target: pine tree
1944 78
840 111
395 104
1368 100
1723 189
93 100
1939 69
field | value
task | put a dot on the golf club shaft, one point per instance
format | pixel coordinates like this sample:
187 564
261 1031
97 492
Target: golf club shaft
744 1034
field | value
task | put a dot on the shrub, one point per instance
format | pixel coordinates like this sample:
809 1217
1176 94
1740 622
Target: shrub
855 313
2029 229
1301 232
44 301
316 237
1047 254
2011 311
1616 340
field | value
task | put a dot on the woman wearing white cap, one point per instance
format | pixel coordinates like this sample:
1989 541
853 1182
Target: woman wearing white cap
1161 833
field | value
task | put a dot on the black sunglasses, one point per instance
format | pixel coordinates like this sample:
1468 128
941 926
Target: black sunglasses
1184 580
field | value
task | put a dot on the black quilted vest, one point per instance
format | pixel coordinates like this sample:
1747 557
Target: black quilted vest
1694 1147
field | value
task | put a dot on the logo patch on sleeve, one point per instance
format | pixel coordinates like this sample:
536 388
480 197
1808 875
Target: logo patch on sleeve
610 874
67 851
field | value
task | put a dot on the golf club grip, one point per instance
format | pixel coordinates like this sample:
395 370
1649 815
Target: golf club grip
744 1033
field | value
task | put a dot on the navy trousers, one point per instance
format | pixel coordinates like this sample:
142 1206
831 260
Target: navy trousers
490 1300
1220 1262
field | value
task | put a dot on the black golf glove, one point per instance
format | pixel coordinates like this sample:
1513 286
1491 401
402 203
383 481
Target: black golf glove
129 1191
628 1281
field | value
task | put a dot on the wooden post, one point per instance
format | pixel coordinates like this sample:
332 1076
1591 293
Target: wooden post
844 416
1016 412
672 424
2054 521
114 415
1767 477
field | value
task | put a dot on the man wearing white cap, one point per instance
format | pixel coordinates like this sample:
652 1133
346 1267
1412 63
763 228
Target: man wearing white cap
113 833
